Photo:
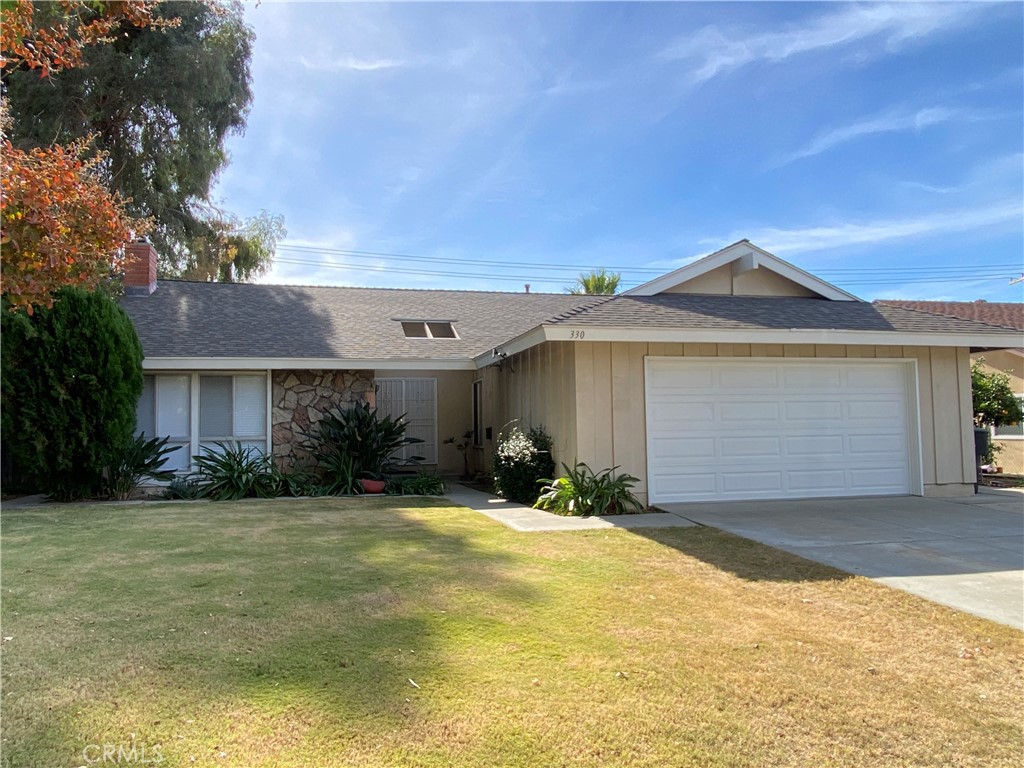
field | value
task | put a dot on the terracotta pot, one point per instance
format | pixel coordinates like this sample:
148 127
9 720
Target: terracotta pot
372 486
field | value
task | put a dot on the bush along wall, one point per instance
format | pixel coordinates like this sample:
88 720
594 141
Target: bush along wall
521 462
70 378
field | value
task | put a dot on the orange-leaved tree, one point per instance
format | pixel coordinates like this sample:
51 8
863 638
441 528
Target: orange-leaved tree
50 37
60 225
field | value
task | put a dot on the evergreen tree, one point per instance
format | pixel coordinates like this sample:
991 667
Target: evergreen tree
70 377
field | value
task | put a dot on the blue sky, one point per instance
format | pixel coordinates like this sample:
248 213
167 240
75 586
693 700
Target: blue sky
879 146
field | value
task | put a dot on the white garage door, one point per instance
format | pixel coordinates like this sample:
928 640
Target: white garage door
724 430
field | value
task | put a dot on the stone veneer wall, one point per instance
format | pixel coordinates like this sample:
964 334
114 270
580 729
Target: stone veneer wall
300 398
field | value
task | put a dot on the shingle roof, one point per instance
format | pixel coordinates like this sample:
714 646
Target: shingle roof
186 319
1006 314
216 320
761 313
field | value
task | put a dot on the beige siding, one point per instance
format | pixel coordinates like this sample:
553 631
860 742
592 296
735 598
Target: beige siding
454 411
538 388
756 282
617 434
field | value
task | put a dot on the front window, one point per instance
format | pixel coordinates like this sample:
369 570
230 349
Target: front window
164 410
233 409
196 411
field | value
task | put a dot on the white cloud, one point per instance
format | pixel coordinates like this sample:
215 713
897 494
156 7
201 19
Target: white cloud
823 238
348 63
892 122
716 52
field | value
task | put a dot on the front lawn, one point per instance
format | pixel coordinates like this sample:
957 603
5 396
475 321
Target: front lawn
394 633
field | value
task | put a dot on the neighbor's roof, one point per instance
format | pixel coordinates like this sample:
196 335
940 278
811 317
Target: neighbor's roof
240 320
675 310
1006 314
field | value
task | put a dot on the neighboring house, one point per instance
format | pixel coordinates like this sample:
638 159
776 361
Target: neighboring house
736 377
1008 438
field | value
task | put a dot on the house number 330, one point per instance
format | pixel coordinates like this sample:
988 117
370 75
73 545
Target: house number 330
577 334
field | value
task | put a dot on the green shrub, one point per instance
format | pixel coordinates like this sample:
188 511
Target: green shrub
414 485
521 463
71 377
238 472
143 458
582 492
362 433
185 487
341 476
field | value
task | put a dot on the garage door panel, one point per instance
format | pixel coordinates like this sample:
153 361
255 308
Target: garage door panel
684 447
734 482
884 378
686 485
813 410
823 483
878 480
815 445
750 447
746 411
844 433
811 378
747 377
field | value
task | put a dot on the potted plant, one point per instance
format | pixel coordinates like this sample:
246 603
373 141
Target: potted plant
462 446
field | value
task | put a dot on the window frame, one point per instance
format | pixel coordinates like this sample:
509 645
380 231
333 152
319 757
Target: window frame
193 440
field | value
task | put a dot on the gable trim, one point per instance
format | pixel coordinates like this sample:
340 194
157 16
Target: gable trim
744 257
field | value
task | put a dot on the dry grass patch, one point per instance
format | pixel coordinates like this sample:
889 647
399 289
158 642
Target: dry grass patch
335 632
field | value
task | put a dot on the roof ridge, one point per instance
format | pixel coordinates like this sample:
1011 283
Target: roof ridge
457 291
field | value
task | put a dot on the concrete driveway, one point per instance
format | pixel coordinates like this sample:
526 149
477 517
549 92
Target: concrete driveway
967 553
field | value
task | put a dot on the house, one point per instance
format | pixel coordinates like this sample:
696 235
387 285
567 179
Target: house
738 376
1009 439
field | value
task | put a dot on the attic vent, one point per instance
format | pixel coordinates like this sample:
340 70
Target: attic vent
428 329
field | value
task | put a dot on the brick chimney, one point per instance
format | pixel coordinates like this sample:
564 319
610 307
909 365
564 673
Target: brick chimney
140 269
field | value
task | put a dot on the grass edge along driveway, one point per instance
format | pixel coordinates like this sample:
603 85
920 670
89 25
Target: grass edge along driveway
409 633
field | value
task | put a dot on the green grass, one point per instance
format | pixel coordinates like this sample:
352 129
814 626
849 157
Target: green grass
287 633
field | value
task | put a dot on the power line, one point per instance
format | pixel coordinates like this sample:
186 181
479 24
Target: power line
570 272
852 280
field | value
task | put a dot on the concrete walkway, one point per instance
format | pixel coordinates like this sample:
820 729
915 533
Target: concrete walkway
967 553
522 518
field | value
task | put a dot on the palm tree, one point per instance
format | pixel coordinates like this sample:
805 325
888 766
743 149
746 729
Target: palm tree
596 282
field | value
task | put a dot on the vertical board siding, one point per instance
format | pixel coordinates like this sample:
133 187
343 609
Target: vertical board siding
925 404
963 369
946 413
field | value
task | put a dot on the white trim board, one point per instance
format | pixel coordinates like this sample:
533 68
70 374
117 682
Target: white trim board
157 363
584 333
744 256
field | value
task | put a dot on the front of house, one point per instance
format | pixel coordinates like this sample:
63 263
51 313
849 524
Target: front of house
736 377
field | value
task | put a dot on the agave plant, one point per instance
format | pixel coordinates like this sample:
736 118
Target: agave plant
143 458
369 438
581 491
234 471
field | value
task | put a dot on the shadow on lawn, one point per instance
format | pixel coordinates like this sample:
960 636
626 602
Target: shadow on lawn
749 560
324 608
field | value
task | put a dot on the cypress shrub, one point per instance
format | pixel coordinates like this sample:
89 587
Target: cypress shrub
70 378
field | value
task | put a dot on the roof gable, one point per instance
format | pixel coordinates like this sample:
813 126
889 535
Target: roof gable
742 269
